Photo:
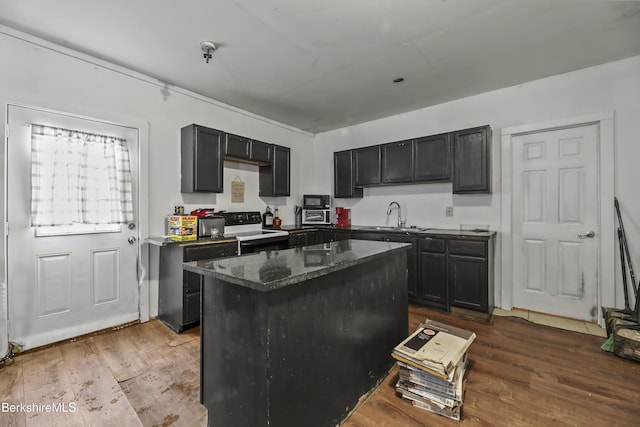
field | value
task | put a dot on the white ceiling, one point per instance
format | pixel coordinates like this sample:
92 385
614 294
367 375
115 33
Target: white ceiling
325 64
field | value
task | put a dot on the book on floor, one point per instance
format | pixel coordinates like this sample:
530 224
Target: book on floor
435 347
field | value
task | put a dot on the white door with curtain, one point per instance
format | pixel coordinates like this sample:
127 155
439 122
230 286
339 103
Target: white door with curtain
555 221
71 269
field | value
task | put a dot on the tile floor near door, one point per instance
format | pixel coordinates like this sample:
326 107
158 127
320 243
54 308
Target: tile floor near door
554 321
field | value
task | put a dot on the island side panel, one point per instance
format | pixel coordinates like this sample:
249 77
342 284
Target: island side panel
233 355
332 338
305 352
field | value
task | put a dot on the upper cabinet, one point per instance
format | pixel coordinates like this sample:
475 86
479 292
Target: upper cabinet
397 162
260 151
432 158
201 159
367 163
237 146
203 151
344 176
471 161
460 156
275 178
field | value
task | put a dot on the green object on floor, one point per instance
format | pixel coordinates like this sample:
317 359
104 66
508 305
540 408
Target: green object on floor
608 344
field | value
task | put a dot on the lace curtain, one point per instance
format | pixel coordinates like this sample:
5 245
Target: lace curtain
79 178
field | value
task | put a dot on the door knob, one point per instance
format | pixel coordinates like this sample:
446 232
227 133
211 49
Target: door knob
587 234
131 240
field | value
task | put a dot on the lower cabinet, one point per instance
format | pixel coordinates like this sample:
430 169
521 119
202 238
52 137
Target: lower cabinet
178 290
457 274
432 275
444 273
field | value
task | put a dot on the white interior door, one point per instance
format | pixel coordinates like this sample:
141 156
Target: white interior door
65 284
555 222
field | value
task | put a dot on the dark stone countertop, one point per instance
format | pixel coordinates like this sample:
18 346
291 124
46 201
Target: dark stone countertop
418 231
165 241
270 270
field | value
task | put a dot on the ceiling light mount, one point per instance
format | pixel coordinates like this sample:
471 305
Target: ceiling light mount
208 48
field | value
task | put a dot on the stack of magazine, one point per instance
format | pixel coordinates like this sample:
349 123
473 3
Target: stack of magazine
432 364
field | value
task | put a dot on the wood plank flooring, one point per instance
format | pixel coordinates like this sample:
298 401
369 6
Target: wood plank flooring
520 374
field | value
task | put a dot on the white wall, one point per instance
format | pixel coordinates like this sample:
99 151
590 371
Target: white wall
609 87
41 74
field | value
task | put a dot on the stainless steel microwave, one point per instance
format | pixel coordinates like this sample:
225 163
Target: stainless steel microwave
316 216
316 201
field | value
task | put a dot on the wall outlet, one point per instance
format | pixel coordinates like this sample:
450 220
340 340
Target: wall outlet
449 211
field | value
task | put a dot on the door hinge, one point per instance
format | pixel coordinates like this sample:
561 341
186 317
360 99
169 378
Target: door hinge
7 130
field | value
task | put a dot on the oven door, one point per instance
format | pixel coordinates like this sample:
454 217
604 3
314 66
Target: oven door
264 244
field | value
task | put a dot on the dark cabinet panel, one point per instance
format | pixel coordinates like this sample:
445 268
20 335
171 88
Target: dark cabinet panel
412 259
179 290
432 275
261 151
432 158
275 178
237 146
433 278
471 161
344 176
367 163
201 159
468 282
397 162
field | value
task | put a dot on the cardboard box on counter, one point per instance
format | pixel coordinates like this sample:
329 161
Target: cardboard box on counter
183 228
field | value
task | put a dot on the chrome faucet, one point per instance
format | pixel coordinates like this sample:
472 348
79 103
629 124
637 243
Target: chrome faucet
396 205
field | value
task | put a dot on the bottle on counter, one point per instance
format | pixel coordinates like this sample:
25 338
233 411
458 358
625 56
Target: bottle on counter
277 222
267 218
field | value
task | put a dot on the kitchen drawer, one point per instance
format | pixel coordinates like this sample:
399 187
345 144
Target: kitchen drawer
297 239
468 247
215 250
369 236
429 244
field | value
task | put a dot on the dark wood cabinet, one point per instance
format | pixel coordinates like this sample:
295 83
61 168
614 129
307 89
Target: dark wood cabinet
397 162
344 176
469 275
367 164
237 146
178 290
471 161
201 159
457 275
304 238
432 275
260 152
461 156
412 282
432 158
274 179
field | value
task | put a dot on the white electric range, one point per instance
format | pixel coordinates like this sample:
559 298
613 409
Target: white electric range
246 227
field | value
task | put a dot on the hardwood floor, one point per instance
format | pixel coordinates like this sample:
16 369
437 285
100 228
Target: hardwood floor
520 374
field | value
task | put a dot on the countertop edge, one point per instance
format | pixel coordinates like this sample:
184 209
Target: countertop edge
281 283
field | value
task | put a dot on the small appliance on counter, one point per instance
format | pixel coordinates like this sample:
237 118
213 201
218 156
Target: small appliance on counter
316 201
316 217
343 217
210 226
